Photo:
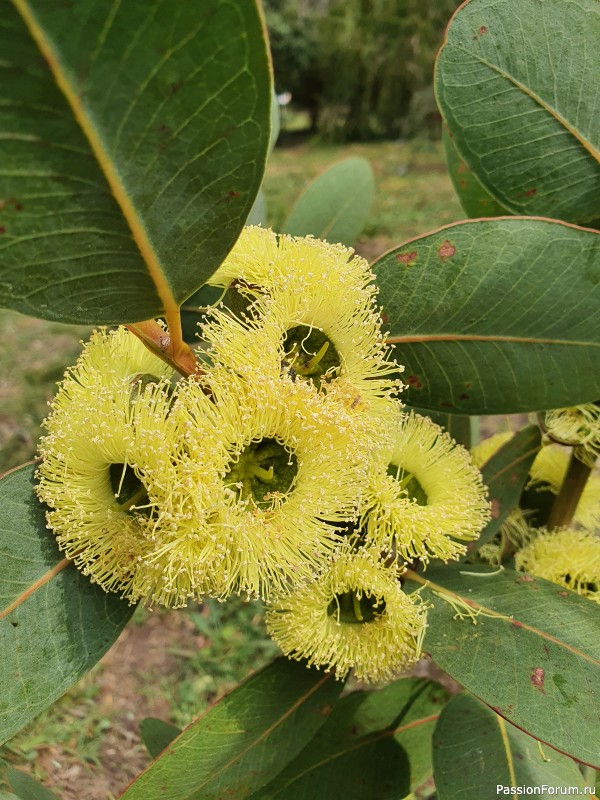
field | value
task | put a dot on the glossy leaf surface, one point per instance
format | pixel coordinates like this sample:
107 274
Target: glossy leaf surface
517 84
495 316
54 624
134 142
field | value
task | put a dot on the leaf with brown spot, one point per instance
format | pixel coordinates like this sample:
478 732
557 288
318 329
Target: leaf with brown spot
522 102
446 249
54 624
149 114
496 658
513 312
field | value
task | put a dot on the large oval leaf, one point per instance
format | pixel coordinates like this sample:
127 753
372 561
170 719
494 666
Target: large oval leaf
517 83
374 745
54 624
475 751
134 143
495 316
336 205
243 741
526 647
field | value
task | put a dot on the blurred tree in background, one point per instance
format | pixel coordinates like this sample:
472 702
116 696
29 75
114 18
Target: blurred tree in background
361 68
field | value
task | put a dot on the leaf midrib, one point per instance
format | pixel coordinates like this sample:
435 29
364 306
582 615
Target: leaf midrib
191 793
41 581
535 97
466 337
117 188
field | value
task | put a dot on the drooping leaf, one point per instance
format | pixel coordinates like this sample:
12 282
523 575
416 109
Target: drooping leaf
517 84
24 786
54 624
475 750
336 205
244 740
374 745
526 647
157 734
505 475
495 316
134 145
476 201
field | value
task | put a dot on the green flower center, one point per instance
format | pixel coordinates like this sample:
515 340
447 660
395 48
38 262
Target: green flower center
351 609
309 354
127 488
409 483
263 469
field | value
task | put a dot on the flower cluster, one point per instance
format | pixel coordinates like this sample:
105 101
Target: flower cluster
288 471
569 556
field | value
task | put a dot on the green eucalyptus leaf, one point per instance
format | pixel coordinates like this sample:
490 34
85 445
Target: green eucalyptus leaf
54 624
495 316
476 201
25 787
135 137
374 745
517 84
527 648
336 205
475 750
243 741
157 734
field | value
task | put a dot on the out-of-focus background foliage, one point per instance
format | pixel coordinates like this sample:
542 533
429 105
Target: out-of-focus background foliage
361 69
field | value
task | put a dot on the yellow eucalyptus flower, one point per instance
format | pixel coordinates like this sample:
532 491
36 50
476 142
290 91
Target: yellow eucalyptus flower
425 492
107 468
311 315
110 466
288 467
116 356
568 557
578 426
352 615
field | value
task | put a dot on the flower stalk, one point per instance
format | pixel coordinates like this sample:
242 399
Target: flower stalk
565 505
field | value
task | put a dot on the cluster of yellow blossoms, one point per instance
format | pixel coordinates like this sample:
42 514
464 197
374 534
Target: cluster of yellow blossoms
287 471
569 556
